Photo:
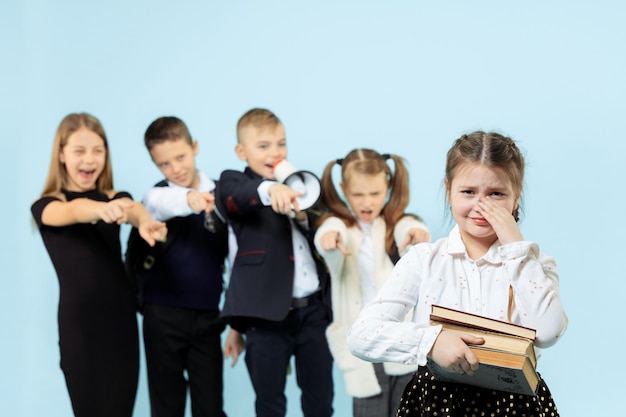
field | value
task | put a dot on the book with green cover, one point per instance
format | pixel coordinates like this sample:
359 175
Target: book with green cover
502 371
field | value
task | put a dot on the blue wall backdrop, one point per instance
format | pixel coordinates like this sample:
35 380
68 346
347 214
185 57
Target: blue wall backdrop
399 76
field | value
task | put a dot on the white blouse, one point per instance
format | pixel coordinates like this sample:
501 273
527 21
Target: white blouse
442 273
366 264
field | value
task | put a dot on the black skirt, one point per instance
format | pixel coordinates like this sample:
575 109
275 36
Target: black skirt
425 396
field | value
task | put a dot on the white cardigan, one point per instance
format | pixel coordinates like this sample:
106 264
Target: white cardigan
359 376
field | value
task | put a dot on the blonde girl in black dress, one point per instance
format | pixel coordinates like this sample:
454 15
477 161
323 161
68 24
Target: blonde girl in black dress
79 216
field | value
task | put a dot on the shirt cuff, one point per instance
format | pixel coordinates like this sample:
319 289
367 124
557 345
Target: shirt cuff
263 190
164 203
516 249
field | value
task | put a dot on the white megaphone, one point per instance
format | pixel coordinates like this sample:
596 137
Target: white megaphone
304 182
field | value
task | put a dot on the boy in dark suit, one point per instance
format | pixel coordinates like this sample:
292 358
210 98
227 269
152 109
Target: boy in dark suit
181 295
279 288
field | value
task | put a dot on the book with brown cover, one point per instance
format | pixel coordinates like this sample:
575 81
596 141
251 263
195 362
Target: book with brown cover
450 315
495 340
507 358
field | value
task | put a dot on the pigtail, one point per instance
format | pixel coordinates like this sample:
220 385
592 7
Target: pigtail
398 200
330 198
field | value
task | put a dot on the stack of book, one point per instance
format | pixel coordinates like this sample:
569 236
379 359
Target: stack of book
507 358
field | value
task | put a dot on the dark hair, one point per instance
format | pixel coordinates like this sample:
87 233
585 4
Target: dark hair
369 162
492 150
164 129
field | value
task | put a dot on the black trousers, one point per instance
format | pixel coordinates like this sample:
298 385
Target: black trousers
268 352
178 340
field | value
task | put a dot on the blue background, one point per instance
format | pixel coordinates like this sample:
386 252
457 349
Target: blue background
404 77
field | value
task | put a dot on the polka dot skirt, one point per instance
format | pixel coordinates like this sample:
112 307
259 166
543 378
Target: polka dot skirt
425 396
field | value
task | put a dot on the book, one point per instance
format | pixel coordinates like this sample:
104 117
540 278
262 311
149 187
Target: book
496 340
450 315
498 370
507 360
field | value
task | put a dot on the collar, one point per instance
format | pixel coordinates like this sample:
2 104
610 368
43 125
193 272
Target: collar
252 174
366 228
457 247
206 185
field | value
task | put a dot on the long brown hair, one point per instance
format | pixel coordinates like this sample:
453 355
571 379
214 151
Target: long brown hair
57 173
369 162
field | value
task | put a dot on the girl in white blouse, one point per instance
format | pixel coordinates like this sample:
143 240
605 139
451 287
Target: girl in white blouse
360 240
484 267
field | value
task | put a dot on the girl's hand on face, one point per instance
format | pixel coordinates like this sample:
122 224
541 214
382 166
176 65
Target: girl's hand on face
331 241
501 220
152 231
451 352
115 211
413 236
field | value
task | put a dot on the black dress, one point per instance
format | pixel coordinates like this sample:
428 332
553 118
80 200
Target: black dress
98 334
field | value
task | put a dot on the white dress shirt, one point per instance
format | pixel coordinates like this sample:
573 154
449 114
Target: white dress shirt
306 281
164 203
443 273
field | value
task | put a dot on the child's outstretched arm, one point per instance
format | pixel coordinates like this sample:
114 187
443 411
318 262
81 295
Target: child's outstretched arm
84 210
283 199
332 241
200 201
150 230
413 236
164 203
409 231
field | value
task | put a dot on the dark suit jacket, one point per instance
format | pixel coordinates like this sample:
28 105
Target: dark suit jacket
261 281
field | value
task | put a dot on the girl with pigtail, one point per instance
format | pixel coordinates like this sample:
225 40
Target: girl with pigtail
361 239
